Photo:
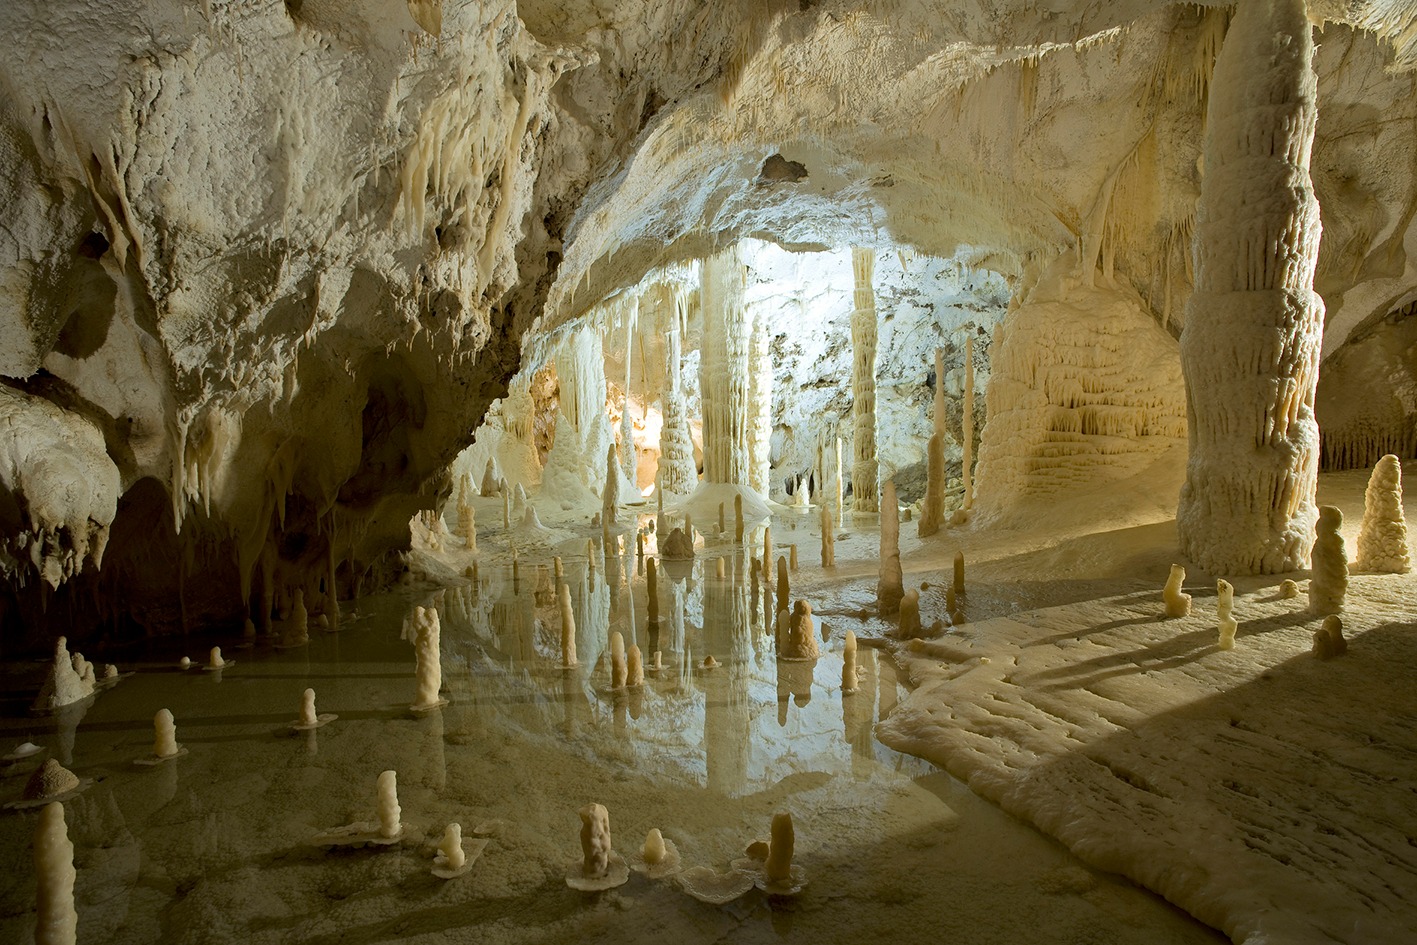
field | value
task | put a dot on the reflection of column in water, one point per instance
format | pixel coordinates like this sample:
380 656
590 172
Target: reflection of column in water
856 715
590 599
66 727
630 631
613 570
575 707
889 678
727 721
671 641
427 752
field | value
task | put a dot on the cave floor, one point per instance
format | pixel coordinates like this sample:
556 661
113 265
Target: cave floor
213 846
1256 787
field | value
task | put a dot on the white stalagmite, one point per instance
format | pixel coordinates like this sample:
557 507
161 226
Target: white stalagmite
840 486
1328 575
863 382
64 684
1177 601
1382 540
389 824
967 422
779 863
932 511
467 522
634 667
619 667
165 735
489 479
723 371
890 588
56 920
1224 605
308 716
455 858
595 840
678 472
828 539
609 496
425 633
1250 346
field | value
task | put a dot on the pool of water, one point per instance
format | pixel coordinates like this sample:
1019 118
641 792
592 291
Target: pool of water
213 847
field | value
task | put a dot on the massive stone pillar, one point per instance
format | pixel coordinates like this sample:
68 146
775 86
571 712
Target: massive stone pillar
678 473
760 405
863 382
1250 347
723 371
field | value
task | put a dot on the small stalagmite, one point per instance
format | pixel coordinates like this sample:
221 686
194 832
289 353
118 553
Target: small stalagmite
1328 572
390 825
56 920
425 632
1288 589
1382 539
634 667
910 614
599 867
619 669
1178 603
450 850
1328 639
800 641
783 590
850 682
165 736
489 480
738 518
1224 604
778 867
608 496
828 539
958 585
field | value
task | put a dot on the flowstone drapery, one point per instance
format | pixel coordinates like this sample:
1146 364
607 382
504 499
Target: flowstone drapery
1250 347
723 371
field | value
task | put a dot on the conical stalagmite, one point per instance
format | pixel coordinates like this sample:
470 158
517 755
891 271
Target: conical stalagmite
1382 540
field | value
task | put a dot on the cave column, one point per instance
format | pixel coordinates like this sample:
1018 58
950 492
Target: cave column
1250 347
723 371
679 474
760 405
863 382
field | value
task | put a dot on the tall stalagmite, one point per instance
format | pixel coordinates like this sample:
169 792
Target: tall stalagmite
723 371
967 423
629 457
1250 347
863 382
678 471
890 588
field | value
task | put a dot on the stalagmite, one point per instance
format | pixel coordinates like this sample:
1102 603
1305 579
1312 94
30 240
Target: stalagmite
932 511
467 525
425 632
165 735
390 826
629 457
1328 639
619 671
489 480
1288 589
799 642
767 553
595 840
967 425
850 682
840 484
890 587
1328 575
676 448
828 539
724 371
909 627
309 719
958 583
506 510
652 595
738 519
1250 346
792 557
779 862
1382 539
568 626
64 685
1178 603
634 667
1224 604
56 919
783 589
722 517
450 850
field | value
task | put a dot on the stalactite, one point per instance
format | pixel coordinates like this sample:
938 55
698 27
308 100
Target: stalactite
1254 322
723 371
863 382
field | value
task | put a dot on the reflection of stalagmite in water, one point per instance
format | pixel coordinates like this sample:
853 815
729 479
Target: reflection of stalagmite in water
514 621
591 603
794 679
575 706
727 716
856 710
890 677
